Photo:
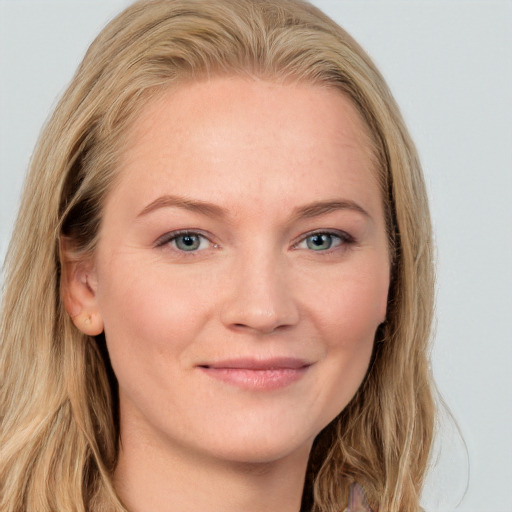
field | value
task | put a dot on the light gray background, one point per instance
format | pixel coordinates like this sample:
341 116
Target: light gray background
449 64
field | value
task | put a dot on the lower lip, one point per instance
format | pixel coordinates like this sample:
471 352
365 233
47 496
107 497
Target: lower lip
263 380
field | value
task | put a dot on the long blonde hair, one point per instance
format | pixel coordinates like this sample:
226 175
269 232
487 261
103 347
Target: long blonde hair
58 404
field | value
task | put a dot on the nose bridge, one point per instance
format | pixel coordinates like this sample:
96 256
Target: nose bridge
260 295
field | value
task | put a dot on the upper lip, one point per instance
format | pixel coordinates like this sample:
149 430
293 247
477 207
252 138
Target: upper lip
275 363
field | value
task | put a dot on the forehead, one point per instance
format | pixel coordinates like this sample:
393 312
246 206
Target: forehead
244 135
227 96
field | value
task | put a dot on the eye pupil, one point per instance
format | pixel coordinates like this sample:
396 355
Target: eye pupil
319 242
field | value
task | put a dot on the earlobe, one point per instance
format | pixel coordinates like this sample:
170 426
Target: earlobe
89 323
78 291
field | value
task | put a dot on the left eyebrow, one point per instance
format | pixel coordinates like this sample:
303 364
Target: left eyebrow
318 208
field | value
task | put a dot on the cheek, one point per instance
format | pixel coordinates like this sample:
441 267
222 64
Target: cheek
350 312
346 317
150 318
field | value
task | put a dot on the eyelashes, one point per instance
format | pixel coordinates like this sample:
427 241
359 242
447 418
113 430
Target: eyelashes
190 241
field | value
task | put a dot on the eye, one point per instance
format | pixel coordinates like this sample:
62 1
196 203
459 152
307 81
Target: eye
322 241
185 241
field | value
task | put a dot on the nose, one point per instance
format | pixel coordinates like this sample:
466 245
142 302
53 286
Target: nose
260 297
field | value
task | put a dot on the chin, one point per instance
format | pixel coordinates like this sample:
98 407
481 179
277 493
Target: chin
259 451
259 442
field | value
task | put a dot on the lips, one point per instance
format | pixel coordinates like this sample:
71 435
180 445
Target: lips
255 374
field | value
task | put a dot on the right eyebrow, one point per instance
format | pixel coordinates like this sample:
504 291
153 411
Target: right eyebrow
318 208
170 201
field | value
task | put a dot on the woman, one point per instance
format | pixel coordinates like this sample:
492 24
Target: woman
230 219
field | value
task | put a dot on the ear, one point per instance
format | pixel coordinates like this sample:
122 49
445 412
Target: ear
78 287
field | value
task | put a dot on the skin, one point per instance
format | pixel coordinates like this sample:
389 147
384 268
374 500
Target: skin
254 168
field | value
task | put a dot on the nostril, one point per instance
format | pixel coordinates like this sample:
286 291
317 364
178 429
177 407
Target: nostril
262 329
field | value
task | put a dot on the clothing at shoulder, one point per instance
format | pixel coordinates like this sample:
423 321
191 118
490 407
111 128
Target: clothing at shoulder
357 501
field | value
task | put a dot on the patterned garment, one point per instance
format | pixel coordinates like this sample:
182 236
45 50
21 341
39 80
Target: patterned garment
357 500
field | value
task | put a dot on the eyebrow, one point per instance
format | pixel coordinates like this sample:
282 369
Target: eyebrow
323 207
193 205
310 210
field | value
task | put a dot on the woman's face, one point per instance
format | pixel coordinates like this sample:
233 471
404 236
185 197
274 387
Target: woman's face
242 267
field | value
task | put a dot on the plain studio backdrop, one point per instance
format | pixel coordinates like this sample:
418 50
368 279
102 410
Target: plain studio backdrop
449 64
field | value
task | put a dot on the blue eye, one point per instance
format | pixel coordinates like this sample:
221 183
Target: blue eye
187 242
319 242
184 241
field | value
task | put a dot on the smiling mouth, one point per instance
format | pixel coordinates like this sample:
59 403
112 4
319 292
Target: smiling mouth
260 375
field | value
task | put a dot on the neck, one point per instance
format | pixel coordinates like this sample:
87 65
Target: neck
158 477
